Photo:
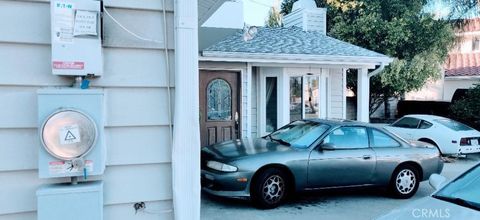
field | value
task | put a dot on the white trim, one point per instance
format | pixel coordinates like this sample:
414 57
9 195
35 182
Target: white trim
344 90
186 151
447 78
363 96
323 93
249 100
291 58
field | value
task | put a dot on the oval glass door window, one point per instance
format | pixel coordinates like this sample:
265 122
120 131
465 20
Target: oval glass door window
219 100
68 134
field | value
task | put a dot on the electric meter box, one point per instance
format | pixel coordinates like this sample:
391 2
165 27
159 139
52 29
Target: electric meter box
67 201
71 130
76 37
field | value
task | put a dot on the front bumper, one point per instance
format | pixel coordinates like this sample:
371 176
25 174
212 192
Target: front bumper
226 184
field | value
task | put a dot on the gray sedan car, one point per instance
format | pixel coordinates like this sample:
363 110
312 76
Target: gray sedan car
316 154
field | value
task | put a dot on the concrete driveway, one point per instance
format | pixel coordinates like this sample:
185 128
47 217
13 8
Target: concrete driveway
348 204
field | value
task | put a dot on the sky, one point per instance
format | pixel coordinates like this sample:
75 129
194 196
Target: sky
255 11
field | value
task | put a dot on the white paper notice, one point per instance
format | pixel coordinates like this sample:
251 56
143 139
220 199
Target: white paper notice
69 134
63 22
85 23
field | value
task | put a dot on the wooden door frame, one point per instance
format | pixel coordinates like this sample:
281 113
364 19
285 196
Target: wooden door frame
239 99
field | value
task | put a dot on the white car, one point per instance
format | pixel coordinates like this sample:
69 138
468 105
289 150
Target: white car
449 136
458 199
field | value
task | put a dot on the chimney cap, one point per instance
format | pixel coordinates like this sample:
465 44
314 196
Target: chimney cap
304 4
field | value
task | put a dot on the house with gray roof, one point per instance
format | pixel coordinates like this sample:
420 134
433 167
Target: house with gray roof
259 79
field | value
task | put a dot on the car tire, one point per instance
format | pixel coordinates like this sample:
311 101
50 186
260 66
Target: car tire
269 189
405 181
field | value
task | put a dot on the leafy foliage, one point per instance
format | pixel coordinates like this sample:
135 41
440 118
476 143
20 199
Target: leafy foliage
401 29
274 18
468 109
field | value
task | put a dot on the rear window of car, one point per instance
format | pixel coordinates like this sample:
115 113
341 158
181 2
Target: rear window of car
406 122
454 125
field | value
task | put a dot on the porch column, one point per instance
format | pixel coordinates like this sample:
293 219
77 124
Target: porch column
363 95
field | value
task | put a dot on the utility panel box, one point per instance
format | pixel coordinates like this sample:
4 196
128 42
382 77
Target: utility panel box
71 129
74 202
76 37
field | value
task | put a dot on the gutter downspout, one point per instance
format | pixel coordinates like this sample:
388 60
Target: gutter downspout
377 71
186 151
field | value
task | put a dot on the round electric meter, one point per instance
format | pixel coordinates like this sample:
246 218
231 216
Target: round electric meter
68 134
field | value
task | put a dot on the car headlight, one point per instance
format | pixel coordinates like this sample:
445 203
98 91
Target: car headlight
221 166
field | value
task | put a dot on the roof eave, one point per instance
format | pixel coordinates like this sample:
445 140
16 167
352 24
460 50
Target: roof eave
292 58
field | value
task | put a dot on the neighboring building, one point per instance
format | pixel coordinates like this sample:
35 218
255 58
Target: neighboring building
252 83
461 69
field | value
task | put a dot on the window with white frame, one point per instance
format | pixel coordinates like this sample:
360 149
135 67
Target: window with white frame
304 97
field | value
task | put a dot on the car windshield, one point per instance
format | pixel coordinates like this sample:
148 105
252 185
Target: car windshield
299 134
454 125
464 191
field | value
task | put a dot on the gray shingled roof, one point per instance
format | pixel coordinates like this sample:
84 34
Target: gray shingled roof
291 40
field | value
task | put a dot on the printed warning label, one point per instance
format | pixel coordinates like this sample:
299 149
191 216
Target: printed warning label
68 65
63 167
69 134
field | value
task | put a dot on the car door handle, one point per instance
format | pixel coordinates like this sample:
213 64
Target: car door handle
367 157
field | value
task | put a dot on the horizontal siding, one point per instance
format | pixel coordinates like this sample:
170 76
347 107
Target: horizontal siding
153 210
145 23
336 93
254 105
122 184
123 107
136 107
123 67
20 146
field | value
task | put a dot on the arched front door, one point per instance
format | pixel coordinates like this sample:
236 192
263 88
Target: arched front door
219 108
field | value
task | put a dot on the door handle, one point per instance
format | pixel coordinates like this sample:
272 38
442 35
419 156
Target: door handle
367 157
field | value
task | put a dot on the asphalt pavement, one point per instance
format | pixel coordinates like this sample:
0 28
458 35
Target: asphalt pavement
356 204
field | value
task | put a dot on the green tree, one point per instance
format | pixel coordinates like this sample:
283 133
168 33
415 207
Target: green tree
468 108
274 18
400 29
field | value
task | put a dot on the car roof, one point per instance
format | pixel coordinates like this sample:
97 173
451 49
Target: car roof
427 117
338 122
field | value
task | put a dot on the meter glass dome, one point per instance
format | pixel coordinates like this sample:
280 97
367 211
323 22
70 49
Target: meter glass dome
68 134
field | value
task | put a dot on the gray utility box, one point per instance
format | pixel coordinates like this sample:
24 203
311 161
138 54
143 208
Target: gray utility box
71 130
76 37
73 202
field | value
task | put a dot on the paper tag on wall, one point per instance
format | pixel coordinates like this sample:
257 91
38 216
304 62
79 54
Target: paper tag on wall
62 167
85 23
69 134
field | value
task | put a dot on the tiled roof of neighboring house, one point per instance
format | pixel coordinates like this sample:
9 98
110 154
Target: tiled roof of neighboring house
290 41
462 64
473 24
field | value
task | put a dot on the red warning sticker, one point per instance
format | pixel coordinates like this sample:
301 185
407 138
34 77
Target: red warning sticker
68 65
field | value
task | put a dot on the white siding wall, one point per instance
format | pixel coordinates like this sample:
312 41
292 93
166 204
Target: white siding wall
337 90
135 86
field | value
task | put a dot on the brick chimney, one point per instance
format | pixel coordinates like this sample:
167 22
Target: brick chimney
307 16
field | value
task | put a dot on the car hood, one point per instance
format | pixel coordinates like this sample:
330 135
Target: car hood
431 208
235 149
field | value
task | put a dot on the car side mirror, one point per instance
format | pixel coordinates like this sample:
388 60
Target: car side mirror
437 181
327 146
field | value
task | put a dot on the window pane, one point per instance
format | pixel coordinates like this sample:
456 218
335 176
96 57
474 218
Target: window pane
311 97
381 139
454 125
300 134
348 138
295 98
271 106
219 99
407 122
425 125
